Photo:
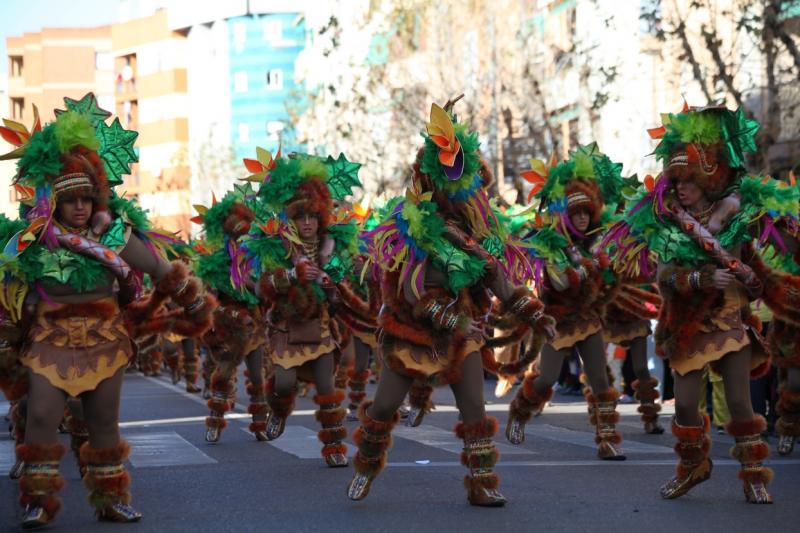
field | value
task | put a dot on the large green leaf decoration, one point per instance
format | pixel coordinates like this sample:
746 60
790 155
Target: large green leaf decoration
462 270
116 150
87 106
342 176
58 265
114 236
494 245
739 134
336 268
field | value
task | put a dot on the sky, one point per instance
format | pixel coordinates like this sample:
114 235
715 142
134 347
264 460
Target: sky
20 16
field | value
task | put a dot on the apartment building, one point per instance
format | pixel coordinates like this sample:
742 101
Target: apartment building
43 68
150 90
46 66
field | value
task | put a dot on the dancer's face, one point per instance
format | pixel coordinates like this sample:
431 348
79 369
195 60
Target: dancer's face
580 219
689 194
75 211
307 225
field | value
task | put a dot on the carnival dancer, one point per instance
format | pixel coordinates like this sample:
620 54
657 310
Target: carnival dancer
575 283
783 337
436 284
304 254
626 323
364 282
784 340
238 333
179 352
698 217
75 239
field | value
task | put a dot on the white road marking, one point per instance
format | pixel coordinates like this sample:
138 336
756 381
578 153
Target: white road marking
611 464
164 449
7 456
586 439
183 420
447 440
302 443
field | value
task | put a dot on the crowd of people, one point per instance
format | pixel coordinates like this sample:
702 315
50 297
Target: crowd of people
439 286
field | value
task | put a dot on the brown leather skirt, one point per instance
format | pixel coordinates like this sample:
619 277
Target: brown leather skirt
76 346
294 344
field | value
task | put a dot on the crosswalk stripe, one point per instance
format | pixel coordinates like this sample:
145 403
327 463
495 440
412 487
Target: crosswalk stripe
586 439
447 440
302 443
164 449
7 456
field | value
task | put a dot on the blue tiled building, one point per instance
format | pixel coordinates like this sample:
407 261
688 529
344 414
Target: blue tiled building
263 50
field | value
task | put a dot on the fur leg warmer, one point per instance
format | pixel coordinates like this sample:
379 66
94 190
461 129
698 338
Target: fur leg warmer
789 408
646 392
258 407
341 377
156 362
373 439
330 416
528 401
603 415
281 406
479 455
750 449
694 466
358 387
18 421
693 446
221 389
106 477
41 481
190 370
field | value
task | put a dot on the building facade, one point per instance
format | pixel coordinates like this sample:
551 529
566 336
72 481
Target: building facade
43 68
151 96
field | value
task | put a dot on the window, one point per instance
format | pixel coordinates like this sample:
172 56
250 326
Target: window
17 108
16 66
244 133
273 31
573 128
274 79
240 82
239 36
274 129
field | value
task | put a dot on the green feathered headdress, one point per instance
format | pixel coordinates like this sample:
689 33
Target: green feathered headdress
279 178
707 126
82 123
587 177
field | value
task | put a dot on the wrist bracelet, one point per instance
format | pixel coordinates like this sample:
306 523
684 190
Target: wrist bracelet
433 309
521 304
195 305
182 287
452 320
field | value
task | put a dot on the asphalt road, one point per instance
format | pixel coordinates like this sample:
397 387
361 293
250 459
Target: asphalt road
553 481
